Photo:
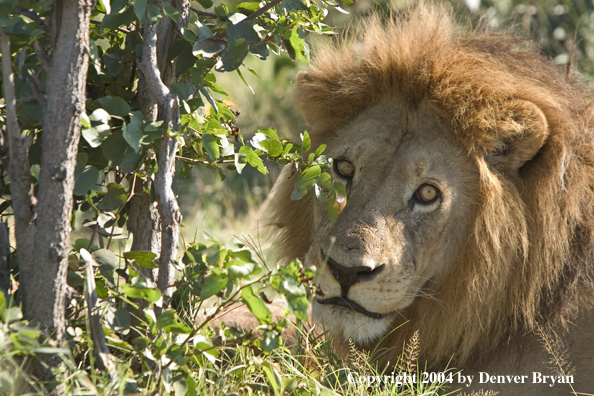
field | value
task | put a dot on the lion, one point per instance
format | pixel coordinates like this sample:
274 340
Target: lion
468 161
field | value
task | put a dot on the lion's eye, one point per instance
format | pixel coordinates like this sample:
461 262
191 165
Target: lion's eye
345 168
427 194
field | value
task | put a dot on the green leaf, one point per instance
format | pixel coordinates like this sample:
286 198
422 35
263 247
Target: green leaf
116 196
117 19
256 305
249 5
270 132
182 90
3 305
96 135
338 200
133 135
115 105
211 146
85 180
233 56
213 284
305 181
140 288
273 376
153 13
205 3
299 306
273 147
240 162
100 115
85 121
5 11
144 259
291 288
120 321
292 5
106 257
299 46
167 318
243 30
253 159
323 187
114 147
240 269
105 4
306 141
172 13
140 9
320 150
270 341
131 160
209 47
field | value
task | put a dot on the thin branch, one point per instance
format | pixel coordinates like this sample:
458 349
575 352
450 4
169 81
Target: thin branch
167 204
19 173
41 55
203 13
36 87
195 161
26 99
104 358
262 10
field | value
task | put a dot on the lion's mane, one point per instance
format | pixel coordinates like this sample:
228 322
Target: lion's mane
530 257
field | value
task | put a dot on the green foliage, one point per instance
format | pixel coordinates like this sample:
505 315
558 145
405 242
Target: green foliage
173 351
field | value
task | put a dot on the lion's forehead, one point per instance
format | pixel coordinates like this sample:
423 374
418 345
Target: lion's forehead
397 147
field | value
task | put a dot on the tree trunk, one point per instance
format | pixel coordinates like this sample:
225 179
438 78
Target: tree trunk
43 276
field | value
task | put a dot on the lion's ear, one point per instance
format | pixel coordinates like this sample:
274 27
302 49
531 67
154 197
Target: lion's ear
521 130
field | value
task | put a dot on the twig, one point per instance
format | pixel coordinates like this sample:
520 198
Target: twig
104 358
41 55
262 10
203 13
195 161
26 99
36 87
121 208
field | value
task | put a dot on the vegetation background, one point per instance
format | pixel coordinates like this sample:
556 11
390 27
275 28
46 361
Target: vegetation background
147 350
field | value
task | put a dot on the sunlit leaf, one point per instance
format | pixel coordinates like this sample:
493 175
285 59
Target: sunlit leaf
115 197
256 305
85 179
115 105
233 56
133 135
144 259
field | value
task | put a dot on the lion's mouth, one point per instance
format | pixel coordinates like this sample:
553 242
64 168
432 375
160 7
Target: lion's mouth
343 302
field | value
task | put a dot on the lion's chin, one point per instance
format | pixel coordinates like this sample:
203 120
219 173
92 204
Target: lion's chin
351 324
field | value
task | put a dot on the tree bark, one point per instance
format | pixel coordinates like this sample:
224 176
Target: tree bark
19 169
4 259
43 277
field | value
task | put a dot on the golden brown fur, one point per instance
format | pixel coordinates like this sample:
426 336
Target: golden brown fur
529 260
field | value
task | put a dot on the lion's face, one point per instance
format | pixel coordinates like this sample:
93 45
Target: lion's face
411 191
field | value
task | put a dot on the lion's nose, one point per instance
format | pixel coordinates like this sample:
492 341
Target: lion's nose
348 276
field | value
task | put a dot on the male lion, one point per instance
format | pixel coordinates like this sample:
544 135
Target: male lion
468 160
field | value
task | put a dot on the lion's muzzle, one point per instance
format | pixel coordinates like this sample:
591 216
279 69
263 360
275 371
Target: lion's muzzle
348 276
